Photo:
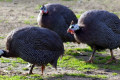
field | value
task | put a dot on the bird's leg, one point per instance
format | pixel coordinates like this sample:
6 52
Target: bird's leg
30 72
112 57
91 58
42 68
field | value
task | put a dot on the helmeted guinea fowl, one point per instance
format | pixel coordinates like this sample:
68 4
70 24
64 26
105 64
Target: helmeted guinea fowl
38 46
57 17
99 29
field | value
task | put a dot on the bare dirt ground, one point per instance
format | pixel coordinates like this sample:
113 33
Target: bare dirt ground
14 14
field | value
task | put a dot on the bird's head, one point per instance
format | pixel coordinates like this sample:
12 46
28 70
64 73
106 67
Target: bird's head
43 10
73 27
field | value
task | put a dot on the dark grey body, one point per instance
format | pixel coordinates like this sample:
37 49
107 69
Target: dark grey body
58 19
36 45
99 29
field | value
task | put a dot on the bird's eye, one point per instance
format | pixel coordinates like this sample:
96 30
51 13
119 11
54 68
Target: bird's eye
72 26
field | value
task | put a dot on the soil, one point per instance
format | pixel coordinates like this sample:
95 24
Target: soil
13 15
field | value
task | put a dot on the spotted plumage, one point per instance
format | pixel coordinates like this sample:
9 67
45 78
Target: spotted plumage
38 46
57 17
98 28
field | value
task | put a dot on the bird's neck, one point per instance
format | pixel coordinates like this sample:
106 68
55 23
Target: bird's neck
81 35
79 31
45 14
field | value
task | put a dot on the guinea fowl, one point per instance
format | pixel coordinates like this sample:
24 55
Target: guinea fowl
99 29
38 46
57 17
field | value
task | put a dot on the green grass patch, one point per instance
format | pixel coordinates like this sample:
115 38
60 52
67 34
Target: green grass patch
25 69
5 60
80 75
8 0
78 15
117 13
9 68
35 77
111 67
16 77
114 74
38 77
14 64
32 17
88 76
98 76
1 37
38 7
74 63
75 51
2 0
27 22
101 60
19 60
67 43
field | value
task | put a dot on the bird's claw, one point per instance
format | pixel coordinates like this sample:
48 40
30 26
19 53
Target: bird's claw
110 60
89 61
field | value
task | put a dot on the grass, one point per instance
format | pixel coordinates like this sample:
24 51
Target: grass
25 69
32 17
117 13
14 64
1 21
80 75
38 7
38 77
16 77
27 22
76 51
114 74
88 76
78 15
1 0
8 0
9 68
74 63
30 21
1 37
73 60
19 60
7 60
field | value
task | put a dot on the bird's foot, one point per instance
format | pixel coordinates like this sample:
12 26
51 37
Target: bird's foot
89 61
111 59
30 73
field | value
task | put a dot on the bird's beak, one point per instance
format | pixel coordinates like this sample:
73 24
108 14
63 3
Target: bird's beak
70 31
